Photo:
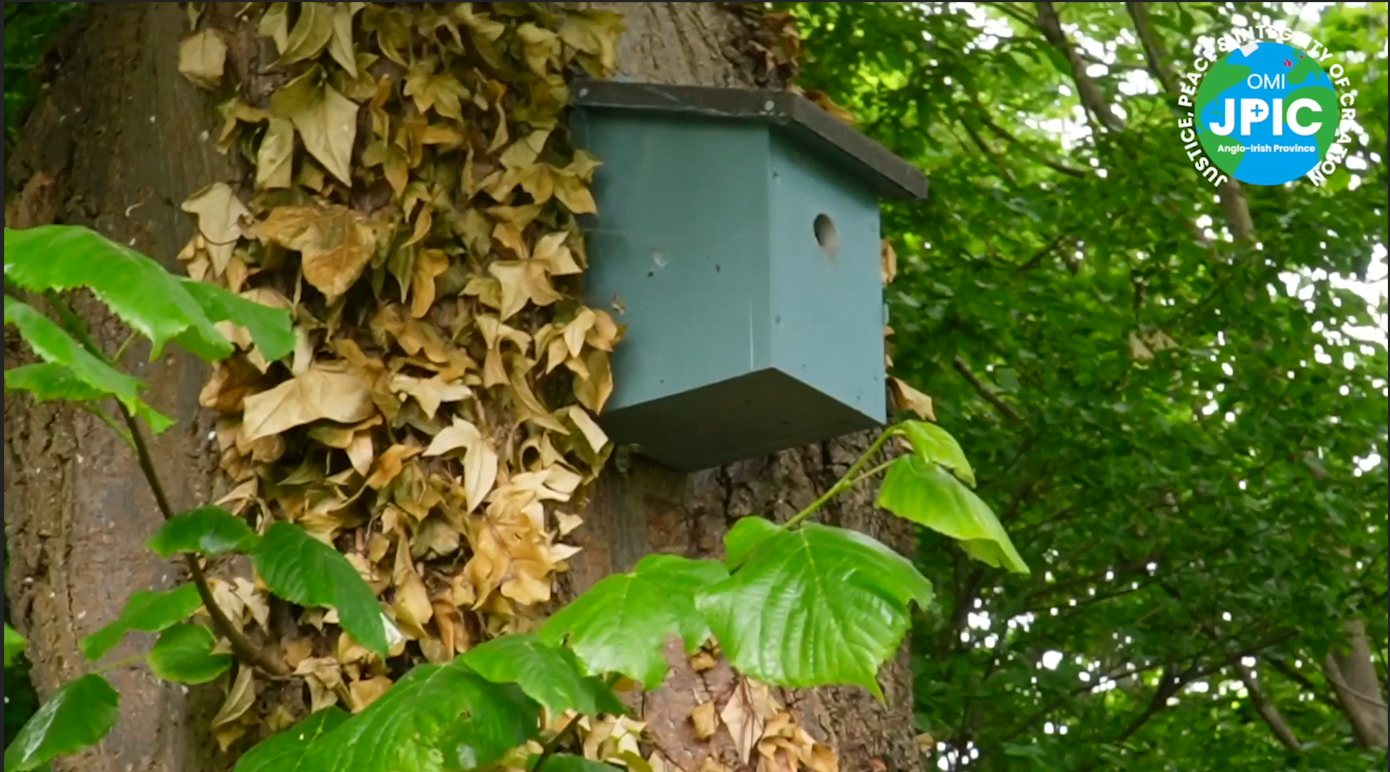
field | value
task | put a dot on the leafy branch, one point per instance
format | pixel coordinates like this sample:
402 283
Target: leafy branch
244 649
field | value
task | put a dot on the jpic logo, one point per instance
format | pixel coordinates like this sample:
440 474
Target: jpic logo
1267 112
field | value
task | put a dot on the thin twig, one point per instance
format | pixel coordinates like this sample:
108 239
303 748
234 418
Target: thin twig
241 646
984 391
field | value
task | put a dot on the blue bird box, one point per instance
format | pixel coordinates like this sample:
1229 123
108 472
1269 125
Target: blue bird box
737 236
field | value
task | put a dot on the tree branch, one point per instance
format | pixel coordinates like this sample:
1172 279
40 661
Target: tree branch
1092 98
243 648
1266 709
1291 673
984 391
1003 133
1233 203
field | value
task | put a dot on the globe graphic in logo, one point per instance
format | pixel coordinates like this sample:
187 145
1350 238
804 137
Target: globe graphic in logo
1266 113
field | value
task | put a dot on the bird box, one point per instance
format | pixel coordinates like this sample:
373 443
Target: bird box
737 237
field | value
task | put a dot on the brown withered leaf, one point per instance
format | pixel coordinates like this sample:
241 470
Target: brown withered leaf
219 214
202 58
325 119
908 398
435 90
429 265
275 24
323 675
328 391
335 242
311 32
705 720
594 435
593 392
340 44
412 606
741 717
430 393
231 382
240 698
365 692
275 156
889 259
389 463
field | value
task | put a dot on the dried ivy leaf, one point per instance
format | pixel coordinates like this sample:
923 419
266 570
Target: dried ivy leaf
275 156
310 34
325 119
340 44
202 57
219 214
275 24
323 392
335 243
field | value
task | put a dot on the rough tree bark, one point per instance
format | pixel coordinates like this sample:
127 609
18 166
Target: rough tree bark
120 139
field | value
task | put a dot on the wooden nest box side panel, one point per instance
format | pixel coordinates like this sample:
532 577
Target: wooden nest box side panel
738 238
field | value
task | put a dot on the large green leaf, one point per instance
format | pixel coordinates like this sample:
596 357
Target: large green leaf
14 645
935 444
270 328
304 570
208 530
925 493
813 606
285 752
51 381
183 654
147 611
415 725
76 716
621 624
479 738
548 674
55 346
151 300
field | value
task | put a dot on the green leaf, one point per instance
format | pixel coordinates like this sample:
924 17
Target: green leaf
14 645
925 493
270 328
815 606
137 289
482 737
183 654
745 537
932 443
76 716
621 624
285 752
55 346
207 530
547 674
412 728
50 381
304 570
563 762
147 611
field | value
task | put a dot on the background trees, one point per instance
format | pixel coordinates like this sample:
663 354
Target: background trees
1180 421
1159 390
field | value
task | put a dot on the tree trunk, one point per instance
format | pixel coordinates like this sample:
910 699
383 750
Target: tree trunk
1352 673
119 141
